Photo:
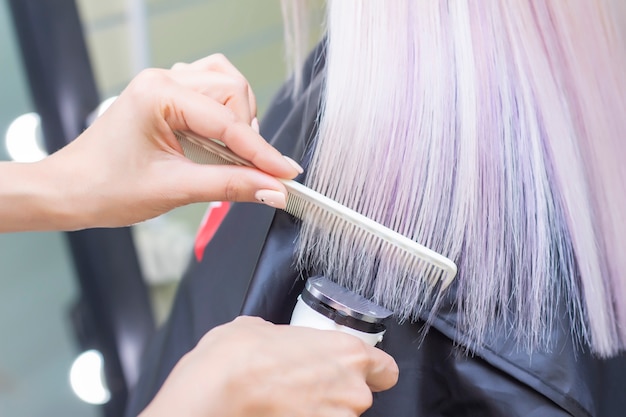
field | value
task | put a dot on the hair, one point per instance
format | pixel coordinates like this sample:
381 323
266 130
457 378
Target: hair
296 30
493 133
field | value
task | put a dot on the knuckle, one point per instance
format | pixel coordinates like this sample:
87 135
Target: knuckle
217 61
364 357
394 373
249 320
363 399
151 75
238 86
219 57
229 119
227 124
187 358
144 83
232 190
345 413
219 332
241 84
244 319
179 66
356 399
354 345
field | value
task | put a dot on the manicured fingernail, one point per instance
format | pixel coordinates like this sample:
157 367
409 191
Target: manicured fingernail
254 124
294 164
271 198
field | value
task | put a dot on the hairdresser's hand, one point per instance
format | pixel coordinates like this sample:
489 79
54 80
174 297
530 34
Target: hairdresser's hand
128 166
250 367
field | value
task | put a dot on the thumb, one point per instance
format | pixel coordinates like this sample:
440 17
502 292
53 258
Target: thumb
382 372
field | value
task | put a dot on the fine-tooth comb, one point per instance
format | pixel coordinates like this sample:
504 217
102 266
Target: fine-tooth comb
302 200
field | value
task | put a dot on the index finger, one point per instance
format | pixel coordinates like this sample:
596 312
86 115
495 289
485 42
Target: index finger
195 112
219 62
224 88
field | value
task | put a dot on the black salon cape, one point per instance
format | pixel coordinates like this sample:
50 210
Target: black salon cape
247 269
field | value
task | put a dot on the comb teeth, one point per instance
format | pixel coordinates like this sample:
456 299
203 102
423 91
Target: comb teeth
307 204
420 270
352 235
199 154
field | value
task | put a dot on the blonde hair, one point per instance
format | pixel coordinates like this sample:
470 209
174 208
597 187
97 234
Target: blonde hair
491 132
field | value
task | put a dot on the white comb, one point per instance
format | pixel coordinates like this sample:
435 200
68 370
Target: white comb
302 200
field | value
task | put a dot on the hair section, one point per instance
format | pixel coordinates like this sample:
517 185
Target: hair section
491 132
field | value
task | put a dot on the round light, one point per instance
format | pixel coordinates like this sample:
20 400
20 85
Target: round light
102 107
23 139
87 378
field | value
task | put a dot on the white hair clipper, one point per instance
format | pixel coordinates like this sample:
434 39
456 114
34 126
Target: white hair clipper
325 305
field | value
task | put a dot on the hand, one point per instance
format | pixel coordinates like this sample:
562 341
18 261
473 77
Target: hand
250 367
128 166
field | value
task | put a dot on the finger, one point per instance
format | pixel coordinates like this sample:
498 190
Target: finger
201 183
361 396
382 372
218 62
187 110
224 88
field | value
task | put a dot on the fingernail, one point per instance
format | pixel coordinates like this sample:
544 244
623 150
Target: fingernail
271 198
254 124
294 164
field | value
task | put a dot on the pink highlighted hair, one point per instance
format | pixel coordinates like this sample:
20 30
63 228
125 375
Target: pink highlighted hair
493 132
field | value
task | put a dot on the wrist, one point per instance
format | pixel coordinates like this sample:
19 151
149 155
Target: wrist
32 198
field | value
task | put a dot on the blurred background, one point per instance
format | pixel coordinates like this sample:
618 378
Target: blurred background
63 294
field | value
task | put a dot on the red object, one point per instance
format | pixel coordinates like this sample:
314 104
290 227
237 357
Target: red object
210 223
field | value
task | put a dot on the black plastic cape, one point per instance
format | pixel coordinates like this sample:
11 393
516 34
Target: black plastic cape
247 269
